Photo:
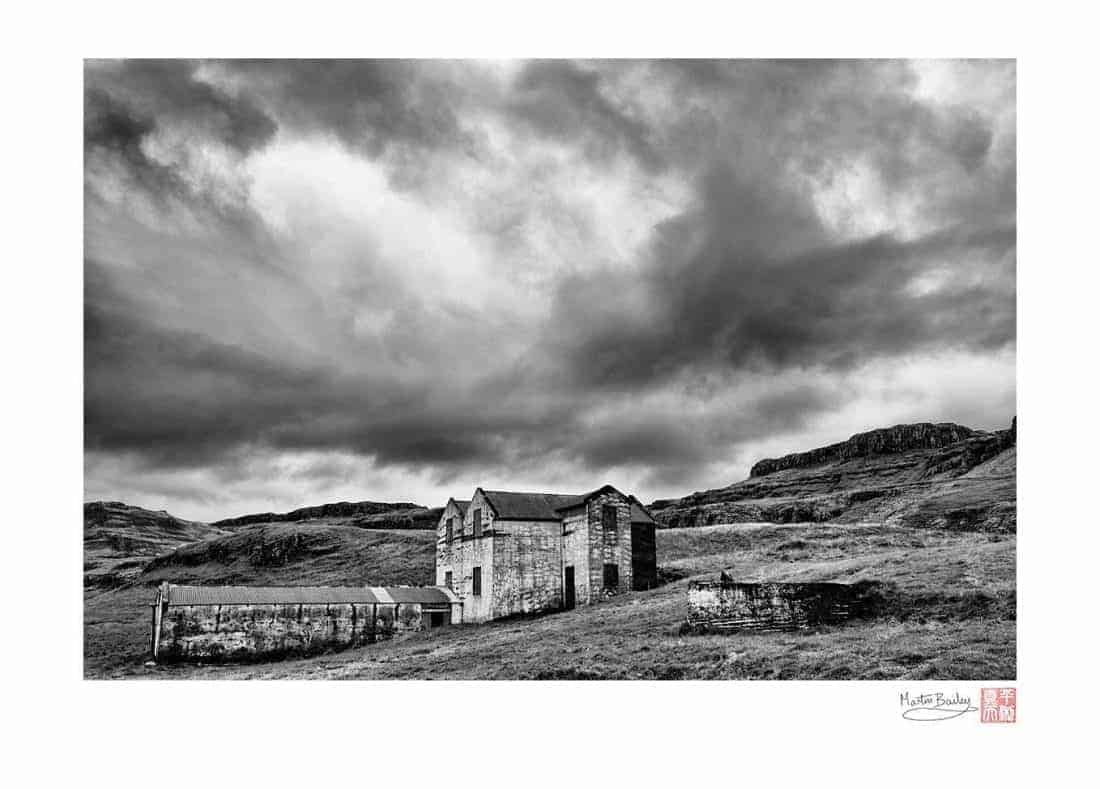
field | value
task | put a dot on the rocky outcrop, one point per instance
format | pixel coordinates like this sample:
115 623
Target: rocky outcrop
962 456
419 518
927 475
884 441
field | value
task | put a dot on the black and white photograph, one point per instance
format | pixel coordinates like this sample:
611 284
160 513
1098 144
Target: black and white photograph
578 394
550 369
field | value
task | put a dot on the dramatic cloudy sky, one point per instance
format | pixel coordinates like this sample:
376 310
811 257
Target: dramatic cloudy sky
313 281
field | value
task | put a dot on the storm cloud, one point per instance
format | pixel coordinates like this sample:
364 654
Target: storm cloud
396 280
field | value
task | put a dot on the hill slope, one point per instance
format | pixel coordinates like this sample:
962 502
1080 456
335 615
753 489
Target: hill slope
114 528
119 539
941 475
302 554
949 597
364 514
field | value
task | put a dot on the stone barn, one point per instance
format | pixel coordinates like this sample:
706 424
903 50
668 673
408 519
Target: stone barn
245 622
506 553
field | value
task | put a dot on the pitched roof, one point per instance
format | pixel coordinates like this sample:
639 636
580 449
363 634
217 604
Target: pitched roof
509 505
638 513
462 505
305 595
576 501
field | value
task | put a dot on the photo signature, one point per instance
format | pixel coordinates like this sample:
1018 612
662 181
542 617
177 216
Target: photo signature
934 706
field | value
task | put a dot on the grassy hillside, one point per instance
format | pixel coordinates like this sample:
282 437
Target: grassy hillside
117 621
114 528
366 514
947 610
301 554
120 539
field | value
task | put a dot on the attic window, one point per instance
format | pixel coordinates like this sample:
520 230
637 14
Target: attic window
450 529
477 524
610 517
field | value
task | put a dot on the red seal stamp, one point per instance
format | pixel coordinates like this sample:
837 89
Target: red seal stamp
998 705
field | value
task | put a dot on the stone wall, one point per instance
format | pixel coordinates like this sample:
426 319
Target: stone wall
463 554
244 632
575 524
771 606
609 546
527 567
522 562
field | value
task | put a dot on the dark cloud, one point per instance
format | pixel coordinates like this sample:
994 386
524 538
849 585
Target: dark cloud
564 101
367 104
117 131
173 94
128 103
749 278
747 310
182 398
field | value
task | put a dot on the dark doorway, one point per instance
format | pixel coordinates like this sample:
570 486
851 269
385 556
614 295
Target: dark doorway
643 555
438 619
570 589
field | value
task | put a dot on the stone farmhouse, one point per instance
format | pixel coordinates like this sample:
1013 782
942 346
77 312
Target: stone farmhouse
504 553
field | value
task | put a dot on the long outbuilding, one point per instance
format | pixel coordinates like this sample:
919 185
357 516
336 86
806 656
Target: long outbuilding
242 622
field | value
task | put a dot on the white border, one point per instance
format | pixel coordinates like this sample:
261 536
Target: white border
668 734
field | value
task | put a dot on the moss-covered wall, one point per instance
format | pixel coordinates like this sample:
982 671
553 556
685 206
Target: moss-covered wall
770 606
248 632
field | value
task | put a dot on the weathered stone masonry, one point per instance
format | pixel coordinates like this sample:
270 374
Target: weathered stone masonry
530 546
238 623
497 555
728 605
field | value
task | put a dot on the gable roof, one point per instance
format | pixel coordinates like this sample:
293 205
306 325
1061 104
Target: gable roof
638 513
509 505
461 505
576 501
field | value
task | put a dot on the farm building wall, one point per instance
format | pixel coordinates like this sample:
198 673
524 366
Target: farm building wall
609 544
229 632
575 546
590 546
526 567
463 554
523 562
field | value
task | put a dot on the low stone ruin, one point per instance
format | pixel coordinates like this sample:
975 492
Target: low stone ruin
727 605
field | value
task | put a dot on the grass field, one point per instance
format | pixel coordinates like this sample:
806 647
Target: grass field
949 610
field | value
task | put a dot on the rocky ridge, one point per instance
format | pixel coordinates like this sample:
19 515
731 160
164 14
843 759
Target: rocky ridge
390 515
925 475
884 441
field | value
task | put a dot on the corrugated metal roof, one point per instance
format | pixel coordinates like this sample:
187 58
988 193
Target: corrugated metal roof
306 595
